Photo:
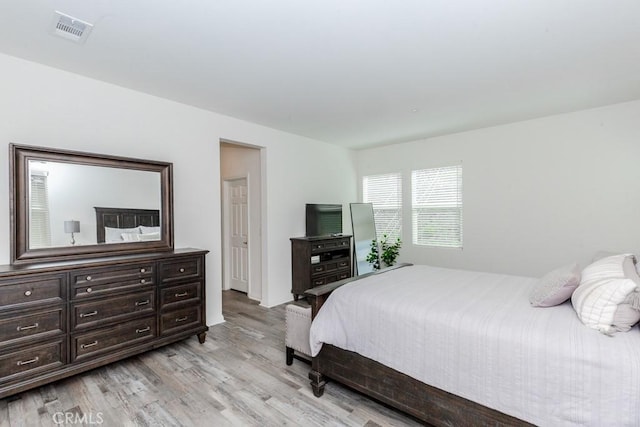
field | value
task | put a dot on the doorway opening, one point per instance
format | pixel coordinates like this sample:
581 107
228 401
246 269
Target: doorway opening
242 178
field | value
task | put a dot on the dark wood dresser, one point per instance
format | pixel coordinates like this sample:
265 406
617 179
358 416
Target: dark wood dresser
317 261
59 319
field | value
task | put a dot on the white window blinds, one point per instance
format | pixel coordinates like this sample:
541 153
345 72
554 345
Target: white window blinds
39 228
385 193
437 206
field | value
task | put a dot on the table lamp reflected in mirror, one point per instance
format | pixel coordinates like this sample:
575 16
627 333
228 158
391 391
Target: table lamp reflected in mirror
72 227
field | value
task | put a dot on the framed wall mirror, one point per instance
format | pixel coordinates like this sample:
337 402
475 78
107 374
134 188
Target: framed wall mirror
68 205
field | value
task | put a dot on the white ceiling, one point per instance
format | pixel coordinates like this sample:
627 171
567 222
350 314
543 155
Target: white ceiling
351 72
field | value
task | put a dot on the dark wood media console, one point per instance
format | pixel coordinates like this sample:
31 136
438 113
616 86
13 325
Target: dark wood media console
59 319
316 261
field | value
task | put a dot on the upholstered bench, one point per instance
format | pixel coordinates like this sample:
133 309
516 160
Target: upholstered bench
296 340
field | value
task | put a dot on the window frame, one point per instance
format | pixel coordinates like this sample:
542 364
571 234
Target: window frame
440 206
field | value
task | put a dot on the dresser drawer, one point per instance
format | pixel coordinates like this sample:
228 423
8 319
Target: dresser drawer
338 275
324 245
184 268
96 312
31 361
95 282
326 267
31 291
113 338
179 295
33 326
174 321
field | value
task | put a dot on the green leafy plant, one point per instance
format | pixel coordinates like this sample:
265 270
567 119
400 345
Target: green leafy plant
383 252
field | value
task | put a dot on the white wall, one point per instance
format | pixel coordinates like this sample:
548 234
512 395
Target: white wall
537 194
43 106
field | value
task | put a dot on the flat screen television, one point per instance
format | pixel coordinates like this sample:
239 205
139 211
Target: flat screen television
323 219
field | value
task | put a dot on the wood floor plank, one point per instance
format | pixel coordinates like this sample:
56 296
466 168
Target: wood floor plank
238 377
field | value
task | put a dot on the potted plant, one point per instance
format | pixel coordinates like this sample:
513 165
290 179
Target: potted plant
383 253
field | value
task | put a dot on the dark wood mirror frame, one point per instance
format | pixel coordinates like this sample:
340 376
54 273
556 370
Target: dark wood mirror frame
19 156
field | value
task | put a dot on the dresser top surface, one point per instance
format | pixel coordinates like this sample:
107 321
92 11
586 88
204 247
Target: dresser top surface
11 270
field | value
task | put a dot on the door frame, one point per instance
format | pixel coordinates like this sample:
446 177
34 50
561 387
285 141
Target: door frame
254 171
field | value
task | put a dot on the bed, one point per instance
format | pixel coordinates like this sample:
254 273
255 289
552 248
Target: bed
472 352
125 219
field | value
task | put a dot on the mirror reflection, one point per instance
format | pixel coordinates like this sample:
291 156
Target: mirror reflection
364 232
64 197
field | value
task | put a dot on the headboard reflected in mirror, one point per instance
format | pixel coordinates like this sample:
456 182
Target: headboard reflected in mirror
57 199
115 225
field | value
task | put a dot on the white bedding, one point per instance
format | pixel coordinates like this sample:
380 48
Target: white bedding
475 335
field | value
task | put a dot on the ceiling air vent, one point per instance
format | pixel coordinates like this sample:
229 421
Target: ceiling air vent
70 28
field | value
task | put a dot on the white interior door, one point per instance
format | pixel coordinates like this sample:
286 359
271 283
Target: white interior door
239 235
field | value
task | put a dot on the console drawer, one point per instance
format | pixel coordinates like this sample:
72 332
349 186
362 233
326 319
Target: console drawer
319 281
324 245
31 360
103 281
32 290
180 295
113 338
326 267
33 326
95 312
174 321
184 268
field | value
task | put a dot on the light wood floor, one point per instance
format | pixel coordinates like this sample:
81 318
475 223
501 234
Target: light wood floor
237 377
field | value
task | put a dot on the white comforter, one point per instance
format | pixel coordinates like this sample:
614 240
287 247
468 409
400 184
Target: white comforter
475 335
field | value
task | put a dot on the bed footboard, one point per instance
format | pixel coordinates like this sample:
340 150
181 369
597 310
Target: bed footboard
427 403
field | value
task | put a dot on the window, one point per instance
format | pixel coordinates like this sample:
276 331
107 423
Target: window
385 193
437 206
39 228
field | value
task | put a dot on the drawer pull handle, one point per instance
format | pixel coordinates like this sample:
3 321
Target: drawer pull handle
319 268
181 319
27 293
24 328
180 295
91 313
139 303
143 270
141 331
27 362
143 281
88 278
181 270
89 290
91 344
318 282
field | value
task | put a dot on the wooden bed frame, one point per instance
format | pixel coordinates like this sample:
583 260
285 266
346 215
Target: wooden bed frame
389 386
124 218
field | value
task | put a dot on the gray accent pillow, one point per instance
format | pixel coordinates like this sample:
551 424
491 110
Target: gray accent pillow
556 286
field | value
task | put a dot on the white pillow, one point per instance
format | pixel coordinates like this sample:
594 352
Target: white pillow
605 295
131 237
555 287
146 230
114 235
148 236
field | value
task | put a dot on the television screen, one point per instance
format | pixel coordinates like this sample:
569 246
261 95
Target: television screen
323 220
